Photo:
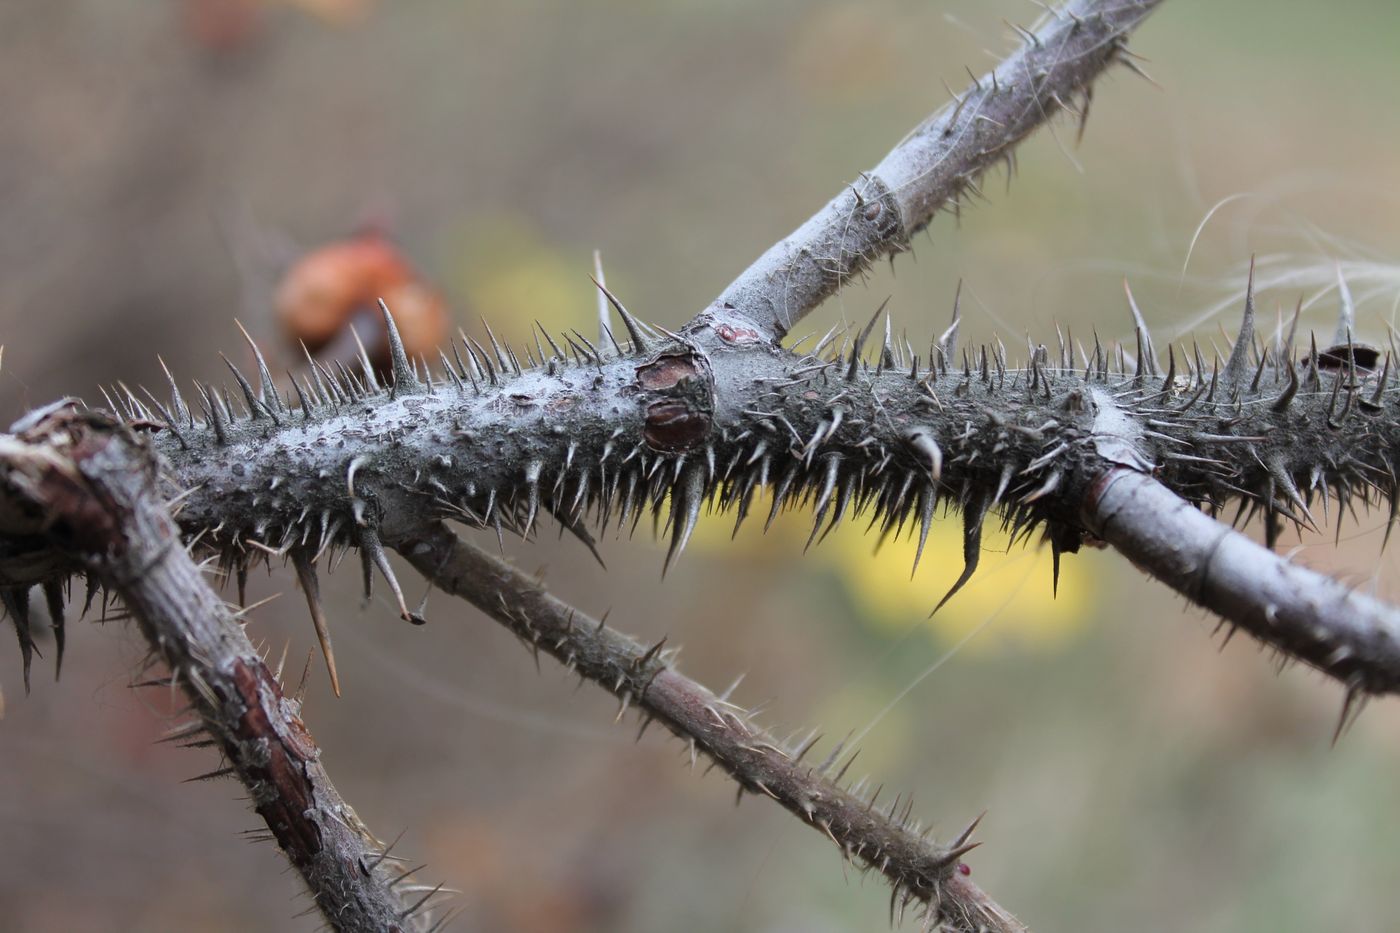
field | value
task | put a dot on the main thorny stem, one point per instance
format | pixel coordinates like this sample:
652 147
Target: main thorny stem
1110 447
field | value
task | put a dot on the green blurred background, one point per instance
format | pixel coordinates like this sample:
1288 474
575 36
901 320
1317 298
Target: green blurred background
155 160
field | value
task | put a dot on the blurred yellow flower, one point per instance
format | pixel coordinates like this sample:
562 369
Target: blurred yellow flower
513 276
1011 590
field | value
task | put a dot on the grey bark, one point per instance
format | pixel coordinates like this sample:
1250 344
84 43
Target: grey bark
885 840
935 166
716 413
89 490
1353 637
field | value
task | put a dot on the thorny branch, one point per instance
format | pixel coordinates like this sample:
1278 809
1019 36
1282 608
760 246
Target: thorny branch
937 165
1120 452
878 835
1305 615
88 489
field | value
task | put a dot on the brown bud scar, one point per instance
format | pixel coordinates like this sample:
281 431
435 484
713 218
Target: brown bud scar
667 371
1344 355
672 426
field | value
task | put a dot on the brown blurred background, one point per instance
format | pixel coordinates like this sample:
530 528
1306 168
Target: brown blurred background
161 161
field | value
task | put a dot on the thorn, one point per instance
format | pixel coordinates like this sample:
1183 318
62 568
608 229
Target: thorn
181 410
1259 371
948 343
1146 351
1236 367
973 514
1352 706
833 471
216 415
597 357
501 358
255 407
575 526
481 359
954 854
1375 400
373 552
303 402
639 342
860 342
966 834
404 379
269 396
310 585
532 481
53 595
172 422
1170 378
1286 397
450 371
928 501
558 353
686 498
210 775
923 443
1084 112
370 379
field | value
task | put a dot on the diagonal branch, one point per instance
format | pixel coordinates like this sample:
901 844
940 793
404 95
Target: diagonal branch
937 164
86 487
1304 614
885 840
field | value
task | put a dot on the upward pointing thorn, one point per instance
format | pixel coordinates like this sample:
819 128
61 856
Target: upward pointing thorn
1346 314
501 360
1236 372
255 408
634 330
370 379
886 352
948 343
1287 353
860 342
216 415
1148 351
269 397
405 381
181 410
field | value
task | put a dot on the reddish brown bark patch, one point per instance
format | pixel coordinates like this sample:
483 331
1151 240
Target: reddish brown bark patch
288 751
738 335
667 371
673 426
680 419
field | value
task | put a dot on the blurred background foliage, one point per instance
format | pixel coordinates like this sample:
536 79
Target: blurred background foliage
162 162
